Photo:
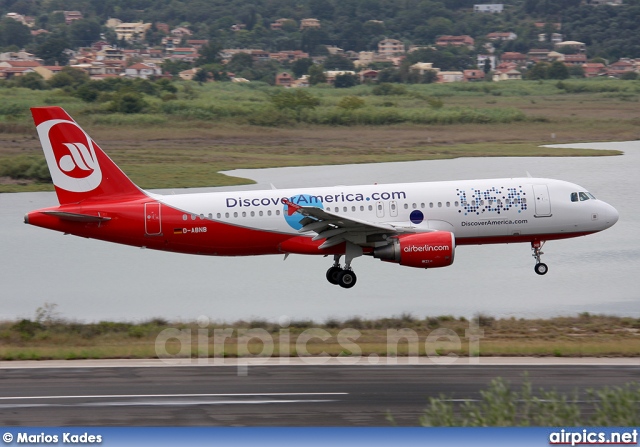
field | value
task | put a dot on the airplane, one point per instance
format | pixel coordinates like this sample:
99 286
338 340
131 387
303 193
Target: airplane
412 224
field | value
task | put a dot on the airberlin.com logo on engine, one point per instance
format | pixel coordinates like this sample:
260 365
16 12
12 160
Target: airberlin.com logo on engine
425 248
70 155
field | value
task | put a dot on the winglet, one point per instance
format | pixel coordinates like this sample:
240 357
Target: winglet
291 207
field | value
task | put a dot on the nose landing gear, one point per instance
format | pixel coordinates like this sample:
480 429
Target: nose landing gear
540 268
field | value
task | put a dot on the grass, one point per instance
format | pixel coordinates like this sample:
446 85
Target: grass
580 336
185 143
500 405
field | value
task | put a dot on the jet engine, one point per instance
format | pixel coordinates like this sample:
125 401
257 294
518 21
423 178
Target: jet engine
423 250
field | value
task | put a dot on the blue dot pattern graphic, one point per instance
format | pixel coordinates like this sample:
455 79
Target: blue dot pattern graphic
492 200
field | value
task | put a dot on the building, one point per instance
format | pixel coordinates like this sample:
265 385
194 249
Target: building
502 36
592 69
450 76
368 76
481 58
142 71
71 16
474 75
574 59
390 47
495 8
456 41
309 23
132 31
507 74
514 58
579 47
284 79
423 67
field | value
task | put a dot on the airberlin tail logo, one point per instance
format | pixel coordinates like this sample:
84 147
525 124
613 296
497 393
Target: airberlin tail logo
70 155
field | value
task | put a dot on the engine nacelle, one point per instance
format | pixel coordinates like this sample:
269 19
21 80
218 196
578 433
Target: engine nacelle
423 250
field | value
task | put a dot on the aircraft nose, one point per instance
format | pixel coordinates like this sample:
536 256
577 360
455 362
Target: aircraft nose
610 215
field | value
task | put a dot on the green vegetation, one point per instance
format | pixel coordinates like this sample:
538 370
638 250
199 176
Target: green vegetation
502 406
48 336
184 133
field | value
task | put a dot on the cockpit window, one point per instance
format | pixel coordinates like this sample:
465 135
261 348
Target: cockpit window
581 196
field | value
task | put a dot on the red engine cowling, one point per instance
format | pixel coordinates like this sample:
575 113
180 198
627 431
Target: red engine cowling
424 250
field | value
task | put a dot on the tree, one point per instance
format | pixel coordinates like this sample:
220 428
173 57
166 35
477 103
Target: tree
301 67
538 71
486 66
345 80
13 32
240 62
52 50
209 54
557 70
316 75
84 32
32 81
69 76
128 102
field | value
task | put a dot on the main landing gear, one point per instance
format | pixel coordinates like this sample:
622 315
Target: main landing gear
343 277
540 268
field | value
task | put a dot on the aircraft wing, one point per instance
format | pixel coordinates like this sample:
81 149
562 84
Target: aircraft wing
336 228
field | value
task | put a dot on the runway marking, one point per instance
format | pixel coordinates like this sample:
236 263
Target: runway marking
166 403
107 396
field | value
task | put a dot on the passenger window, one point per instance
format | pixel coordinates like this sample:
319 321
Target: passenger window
430 204
361 208
269 213
406 206
226 215
253 213
574 196
218 215
422 205
344 208
244 214
277 212
353 208
448 204
439 204
235 214
583 196
260 213
370 208
210 216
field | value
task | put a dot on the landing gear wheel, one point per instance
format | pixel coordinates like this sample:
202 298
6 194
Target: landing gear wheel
332 275
347 279
541 269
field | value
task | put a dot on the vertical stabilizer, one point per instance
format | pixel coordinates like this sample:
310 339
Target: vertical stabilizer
80 170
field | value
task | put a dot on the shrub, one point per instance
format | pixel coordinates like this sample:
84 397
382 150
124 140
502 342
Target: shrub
351 103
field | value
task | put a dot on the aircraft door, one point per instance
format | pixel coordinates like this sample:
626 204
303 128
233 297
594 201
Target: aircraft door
152 219
543 203
393 208
379 209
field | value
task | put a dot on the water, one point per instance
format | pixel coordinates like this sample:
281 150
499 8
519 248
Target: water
91 280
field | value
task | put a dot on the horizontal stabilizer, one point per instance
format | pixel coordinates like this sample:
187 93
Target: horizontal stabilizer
76 217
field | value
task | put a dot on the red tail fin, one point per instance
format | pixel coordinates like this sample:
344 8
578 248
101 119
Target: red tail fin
80 170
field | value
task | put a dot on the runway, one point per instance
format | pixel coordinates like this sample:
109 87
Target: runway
149 393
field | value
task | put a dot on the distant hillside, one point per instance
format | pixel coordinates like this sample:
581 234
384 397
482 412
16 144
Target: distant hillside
357 25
